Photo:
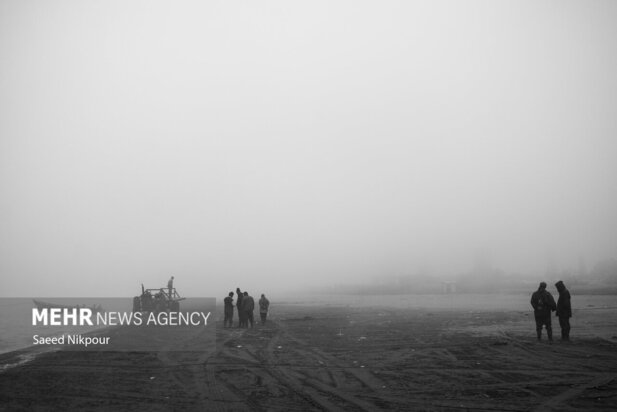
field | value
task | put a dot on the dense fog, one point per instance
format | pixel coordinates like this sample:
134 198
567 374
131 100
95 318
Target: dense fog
292 145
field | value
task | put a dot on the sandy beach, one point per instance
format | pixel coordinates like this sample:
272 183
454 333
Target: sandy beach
340 357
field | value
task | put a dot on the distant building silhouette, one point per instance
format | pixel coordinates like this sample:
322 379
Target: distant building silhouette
448 286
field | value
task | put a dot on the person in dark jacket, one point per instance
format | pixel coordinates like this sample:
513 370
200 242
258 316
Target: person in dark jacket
170 287
229 310
248 306
264 304
564 310
241 318
543 304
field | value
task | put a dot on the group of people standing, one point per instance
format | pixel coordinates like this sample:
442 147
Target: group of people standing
245 305
544 304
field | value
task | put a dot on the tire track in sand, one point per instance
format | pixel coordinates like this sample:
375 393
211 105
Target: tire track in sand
556 403
319 387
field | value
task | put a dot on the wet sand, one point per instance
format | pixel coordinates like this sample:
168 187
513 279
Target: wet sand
341 358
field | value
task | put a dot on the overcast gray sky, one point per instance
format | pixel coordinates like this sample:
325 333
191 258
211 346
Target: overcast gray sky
294 143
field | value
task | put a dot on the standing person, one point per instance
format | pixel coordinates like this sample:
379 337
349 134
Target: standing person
564 310
264 304
239 308
543 304
170 286
248 306
229 310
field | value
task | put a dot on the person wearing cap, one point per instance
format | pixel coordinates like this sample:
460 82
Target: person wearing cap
564 310
543 304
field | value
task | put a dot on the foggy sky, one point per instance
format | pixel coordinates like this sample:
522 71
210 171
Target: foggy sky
269 144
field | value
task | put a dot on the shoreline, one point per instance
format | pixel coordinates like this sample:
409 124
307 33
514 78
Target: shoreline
514 303
334 358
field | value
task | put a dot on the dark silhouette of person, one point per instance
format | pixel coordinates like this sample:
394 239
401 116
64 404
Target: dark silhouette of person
170 287
229 310
248 306
264 304
543 304
564 310
241 319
